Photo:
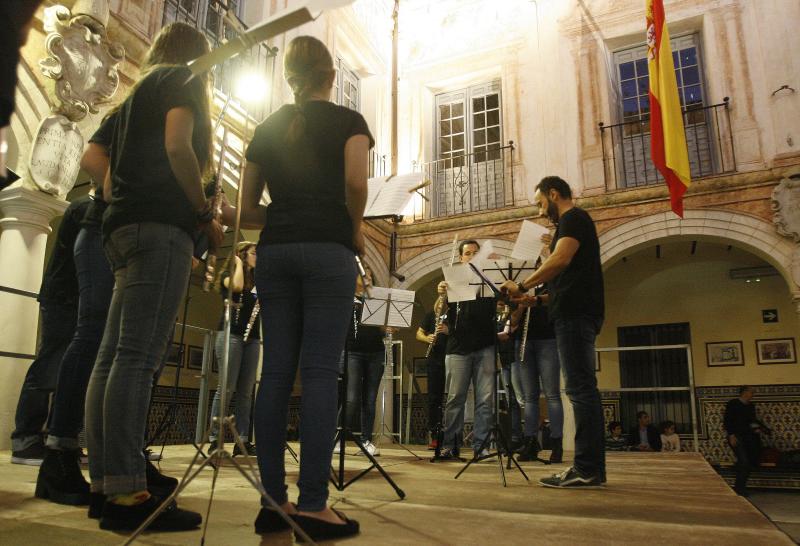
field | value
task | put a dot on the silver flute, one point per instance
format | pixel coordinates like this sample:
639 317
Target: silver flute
252 321
524 336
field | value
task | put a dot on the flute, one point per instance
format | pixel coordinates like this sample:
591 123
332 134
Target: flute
251 322
524 336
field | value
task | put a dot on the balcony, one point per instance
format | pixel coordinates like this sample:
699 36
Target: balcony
709 139
474 182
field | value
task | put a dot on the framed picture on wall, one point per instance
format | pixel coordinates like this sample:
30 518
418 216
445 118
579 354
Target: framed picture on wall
195 358
174 356
776 351
724 353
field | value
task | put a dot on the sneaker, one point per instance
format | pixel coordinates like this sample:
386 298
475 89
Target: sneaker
530 450
127 518
433 444
249 449
572 479
481 454
448 455
370 448
32 455
60 479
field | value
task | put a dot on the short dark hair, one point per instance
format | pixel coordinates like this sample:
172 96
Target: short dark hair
744 388
614 424
666 424
465 243
555 183
640 414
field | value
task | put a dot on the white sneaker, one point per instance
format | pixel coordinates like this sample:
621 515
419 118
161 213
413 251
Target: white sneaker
371 448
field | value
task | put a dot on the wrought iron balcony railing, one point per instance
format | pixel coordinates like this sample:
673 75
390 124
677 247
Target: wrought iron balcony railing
467 183
709 139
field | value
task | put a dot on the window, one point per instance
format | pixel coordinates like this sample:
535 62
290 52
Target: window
347 86
468 121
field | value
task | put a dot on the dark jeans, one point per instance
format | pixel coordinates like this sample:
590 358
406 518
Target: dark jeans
152 262
96 282
306 293
575 338
364 373
436 375
57 327
242 368
747 450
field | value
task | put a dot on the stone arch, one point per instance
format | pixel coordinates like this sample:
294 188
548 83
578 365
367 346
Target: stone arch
418 270
745 231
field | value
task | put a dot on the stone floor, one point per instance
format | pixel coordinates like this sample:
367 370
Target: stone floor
781 507
650 499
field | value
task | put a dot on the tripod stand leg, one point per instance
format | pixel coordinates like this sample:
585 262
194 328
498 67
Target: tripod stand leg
511 458
376 466
475 457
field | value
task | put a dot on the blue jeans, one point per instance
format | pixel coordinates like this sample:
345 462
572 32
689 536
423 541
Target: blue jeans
151 264
364 373
306 293
477 367
57 327
575 338
242 368
95 282
541 362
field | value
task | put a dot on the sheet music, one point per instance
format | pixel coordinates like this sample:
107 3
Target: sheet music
529 241
388 307
459 278
389 196
487 254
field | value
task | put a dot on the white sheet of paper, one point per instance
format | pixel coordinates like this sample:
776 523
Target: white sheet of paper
389 196
400 305
458 278
487 254
529 241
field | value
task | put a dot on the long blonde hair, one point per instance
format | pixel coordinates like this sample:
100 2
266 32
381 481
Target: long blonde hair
307 66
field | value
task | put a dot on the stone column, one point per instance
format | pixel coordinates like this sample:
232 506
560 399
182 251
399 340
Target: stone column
25 217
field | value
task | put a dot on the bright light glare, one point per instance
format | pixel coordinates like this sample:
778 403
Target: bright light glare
251 87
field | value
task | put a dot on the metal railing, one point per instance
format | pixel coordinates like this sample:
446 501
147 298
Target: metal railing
626 147
466 183
208 15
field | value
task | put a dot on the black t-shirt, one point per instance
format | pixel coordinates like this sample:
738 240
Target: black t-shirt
361 338
240 317
428 326
471 325
578 290
738 417
143 185
60 281
103 136
305 179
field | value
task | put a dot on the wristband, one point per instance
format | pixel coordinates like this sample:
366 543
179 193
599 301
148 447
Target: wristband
521 287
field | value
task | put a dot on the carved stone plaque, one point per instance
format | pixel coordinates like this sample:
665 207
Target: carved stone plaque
786 206
56 155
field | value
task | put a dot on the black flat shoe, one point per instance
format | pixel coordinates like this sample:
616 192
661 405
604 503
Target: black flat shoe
269 521
127 518
318 529
96 502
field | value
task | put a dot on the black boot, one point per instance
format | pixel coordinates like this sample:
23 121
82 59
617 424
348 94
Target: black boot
530 450
60 479
557 454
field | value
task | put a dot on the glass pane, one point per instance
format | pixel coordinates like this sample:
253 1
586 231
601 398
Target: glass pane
457 162
630 107
479 157
458 125
628 89
494 155
493 135
189 5
492 101
675 58
457 109
479 137
493 117
692 94
479 120
444 145
688 56
458 143
444 111
479 104
678 77
626 71
644 104
641 67
444 128
643 85
691 75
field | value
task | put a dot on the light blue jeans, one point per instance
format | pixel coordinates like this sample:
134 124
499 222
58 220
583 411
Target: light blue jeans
242 368
541 362
477 367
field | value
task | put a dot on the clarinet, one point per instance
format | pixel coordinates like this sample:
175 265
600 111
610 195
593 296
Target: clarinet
252 321
440 318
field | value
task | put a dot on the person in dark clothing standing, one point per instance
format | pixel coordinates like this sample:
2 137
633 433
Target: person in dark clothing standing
742 430
508 339
644 436
58 305
433 332
576 308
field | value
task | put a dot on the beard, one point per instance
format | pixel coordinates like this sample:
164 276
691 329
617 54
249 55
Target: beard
552 211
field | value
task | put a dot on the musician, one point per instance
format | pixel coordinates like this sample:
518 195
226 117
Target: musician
313 157
160 148
242 353
470 358
433 332
576 308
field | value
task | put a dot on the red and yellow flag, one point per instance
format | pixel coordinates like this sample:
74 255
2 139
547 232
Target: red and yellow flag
667 137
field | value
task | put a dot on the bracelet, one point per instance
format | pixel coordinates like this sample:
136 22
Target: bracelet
521 287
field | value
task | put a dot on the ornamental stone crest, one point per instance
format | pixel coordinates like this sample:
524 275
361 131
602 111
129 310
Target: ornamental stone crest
786 207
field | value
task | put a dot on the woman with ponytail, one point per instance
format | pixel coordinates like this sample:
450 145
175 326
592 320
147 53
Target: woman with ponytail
159 147
312 156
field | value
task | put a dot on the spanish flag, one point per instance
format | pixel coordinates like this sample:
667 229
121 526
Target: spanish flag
667 137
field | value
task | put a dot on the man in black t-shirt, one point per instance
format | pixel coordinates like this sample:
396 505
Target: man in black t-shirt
576 308
742 430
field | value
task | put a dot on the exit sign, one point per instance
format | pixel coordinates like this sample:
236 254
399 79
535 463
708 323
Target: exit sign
769 315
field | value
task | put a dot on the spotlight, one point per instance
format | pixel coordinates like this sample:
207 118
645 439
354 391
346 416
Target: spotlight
251 87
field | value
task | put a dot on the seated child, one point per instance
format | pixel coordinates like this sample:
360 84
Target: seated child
615 441
669 440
